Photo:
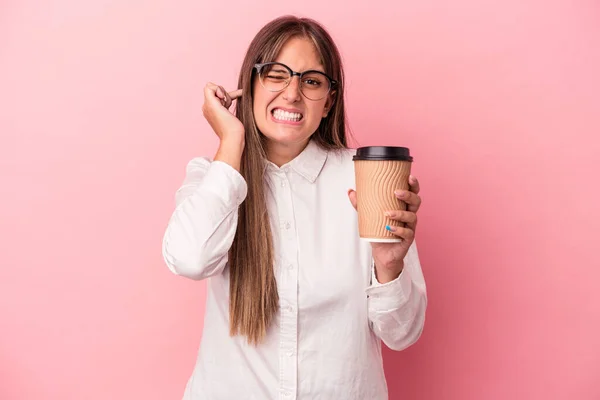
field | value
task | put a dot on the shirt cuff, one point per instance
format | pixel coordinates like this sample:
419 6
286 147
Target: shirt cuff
391 295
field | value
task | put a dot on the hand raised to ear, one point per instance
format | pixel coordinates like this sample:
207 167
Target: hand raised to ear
216 111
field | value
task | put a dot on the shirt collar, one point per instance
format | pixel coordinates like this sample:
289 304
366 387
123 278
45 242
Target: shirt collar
308 164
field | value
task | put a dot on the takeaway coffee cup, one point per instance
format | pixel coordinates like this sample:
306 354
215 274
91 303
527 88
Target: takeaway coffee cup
379 171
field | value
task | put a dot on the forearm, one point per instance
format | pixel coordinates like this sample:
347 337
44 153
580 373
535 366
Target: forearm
397 312
230 151
397 303
201 230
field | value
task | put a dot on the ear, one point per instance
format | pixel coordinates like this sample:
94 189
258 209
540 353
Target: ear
329 103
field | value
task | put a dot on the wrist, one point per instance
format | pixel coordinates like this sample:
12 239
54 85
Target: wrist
230 151
233 141
388 274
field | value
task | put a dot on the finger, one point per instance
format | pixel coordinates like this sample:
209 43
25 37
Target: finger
412 200
352 197
212 92
229 97
235 94
223 96
405 233
215 92
211 99
409 218
413 182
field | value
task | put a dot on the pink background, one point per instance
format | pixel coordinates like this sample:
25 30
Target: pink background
100 111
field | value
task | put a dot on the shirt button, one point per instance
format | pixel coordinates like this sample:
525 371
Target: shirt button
290 266
287 225
290 353
282 183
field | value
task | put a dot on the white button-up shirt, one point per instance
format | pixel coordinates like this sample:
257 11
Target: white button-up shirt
325 342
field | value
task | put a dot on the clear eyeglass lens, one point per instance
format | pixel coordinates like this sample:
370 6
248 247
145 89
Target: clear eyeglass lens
275 78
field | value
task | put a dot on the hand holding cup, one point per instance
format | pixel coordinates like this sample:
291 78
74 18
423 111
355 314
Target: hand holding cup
387 201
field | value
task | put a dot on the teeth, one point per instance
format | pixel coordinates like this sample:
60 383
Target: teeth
286 116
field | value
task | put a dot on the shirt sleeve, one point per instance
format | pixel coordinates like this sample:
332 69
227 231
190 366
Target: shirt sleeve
397 308
200 231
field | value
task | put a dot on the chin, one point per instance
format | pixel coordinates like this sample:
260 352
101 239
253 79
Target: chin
287 138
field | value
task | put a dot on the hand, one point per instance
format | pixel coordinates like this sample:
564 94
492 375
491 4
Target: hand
389 257
216 111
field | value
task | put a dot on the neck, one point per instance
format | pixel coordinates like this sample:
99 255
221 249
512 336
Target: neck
282 153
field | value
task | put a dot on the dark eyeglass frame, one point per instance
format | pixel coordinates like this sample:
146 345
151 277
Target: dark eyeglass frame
332 82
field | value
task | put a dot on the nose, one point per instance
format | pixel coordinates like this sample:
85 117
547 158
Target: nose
292 92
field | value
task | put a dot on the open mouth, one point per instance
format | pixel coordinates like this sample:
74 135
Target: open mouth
281 115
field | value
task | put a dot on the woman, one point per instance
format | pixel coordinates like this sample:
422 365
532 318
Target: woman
297 304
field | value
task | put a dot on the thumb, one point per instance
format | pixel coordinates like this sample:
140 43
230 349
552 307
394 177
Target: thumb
352 197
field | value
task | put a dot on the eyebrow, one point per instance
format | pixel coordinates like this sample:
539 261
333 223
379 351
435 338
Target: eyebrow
314 69
318 69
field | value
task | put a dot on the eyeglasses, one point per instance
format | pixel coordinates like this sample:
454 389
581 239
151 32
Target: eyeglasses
275 77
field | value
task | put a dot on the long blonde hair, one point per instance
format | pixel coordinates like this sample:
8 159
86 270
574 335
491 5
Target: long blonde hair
254 300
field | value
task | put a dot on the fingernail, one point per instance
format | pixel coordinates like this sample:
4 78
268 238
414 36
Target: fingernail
399 193
390 228
387 214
